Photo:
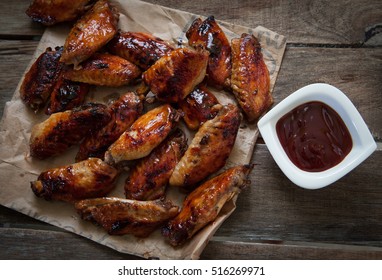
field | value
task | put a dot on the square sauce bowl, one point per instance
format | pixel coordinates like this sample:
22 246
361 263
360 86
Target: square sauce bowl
363 144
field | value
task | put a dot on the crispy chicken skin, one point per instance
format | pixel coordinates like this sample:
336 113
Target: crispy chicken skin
149 177
203 205
120 216
90 33
142 49
64 129
146 133
50 12
198 107
104 70
66 95
86 179
209 149
41 78
208 34
176 74
250 77
123 111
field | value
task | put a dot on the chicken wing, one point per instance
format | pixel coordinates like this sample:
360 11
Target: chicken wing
250 77
176 74
86 179
90 33
40 79
146 133
140 48
149 177
203 205
122 216
66 95
198 107
104 70
64 129
209 35
209 149
124 111
50 12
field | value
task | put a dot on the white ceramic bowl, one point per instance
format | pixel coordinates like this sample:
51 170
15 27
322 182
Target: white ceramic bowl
363 142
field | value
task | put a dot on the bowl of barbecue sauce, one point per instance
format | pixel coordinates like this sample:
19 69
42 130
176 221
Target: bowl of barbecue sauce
316 136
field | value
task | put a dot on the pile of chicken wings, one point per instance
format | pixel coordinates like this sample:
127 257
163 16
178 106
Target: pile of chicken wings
122 137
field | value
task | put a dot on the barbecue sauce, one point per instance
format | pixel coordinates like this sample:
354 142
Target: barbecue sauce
314 136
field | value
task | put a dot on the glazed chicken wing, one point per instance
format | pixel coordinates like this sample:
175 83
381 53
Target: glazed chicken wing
104 70
64 129
203 205
198 107
90 33
123 111
250 77
142 49
209 35
209 149
41 78
50 12
66 95
149 177
146 133
122 216
176 74
86 179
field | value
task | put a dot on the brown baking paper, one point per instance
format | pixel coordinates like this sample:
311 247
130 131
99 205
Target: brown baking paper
17 168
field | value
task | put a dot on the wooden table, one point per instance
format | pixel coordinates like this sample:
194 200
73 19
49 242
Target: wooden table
335 42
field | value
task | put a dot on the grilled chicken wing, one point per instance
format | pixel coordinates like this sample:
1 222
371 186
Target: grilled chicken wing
50 12
90 33
122 216
124 111
64 129
209 149
203 205
104 70
40 79
86 179
66 95
198 107
209 35
146 133
140 48
149 177
250 77
176 74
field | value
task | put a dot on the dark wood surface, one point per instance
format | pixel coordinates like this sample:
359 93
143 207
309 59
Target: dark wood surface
336 42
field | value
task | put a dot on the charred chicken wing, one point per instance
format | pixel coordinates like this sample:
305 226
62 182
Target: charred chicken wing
66 95
203 205
250 77
50 12
123 111
209 35
90 33
122 216
176 74
198 107
140 48
41 78
149 177
64 129
209 149
86 179
146 133
104 70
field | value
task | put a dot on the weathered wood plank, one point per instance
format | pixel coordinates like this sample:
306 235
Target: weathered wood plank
318 22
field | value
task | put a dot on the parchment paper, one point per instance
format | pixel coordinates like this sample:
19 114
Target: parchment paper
17 168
